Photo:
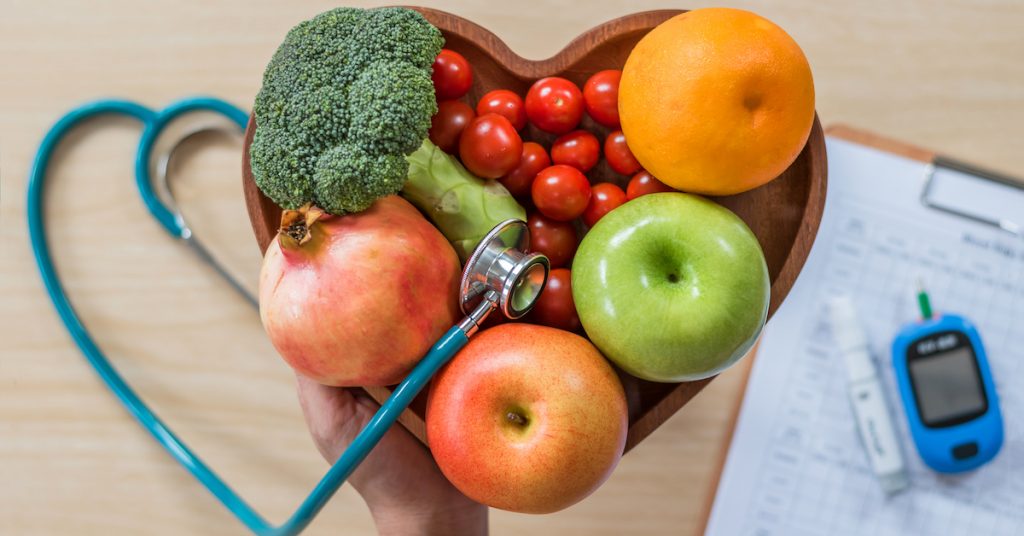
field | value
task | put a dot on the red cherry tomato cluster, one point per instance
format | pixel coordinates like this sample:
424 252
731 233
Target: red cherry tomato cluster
489 140
504 103
490 147
534 159
579 149
554 104
618 155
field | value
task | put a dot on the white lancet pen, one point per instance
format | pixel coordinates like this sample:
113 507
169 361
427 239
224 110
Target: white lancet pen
867 398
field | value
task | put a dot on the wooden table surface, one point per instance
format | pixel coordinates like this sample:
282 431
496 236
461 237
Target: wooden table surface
948 77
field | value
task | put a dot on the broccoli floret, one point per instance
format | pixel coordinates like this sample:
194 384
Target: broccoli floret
384 35
349 179
345 98
386 94
284 161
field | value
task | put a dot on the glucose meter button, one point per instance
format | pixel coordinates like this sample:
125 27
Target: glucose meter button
966 450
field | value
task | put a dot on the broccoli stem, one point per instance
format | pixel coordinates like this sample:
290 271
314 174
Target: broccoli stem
461 205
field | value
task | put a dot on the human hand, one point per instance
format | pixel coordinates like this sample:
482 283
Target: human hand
401 484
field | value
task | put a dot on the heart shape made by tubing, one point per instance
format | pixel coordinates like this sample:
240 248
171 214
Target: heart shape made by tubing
784 214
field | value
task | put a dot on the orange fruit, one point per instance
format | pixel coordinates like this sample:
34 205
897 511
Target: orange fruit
716 101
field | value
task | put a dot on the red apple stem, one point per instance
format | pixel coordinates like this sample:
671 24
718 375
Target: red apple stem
516 418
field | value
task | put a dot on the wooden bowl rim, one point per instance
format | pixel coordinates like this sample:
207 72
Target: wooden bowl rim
574 51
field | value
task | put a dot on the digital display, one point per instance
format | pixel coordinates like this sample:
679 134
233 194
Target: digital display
947 386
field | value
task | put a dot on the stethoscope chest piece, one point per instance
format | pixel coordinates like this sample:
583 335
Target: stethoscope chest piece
500 272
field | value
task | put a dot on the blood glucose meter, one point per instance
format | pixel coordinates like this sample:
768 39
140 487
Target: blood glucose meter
947 391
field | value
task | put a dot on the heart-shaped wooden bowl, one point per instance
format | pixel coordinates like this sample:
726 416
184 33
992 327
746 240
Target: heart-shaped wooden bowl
784 214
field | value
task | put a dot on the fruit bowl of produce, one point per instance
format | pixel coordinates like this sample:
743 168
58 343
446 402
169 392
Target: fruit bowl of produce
591 148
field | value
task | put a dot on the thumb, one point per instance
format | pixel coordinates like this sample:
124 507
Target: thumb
333 416
399 470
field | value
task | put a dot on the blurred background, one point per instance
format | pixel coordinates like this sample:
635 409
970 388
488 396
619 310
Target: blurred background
944 75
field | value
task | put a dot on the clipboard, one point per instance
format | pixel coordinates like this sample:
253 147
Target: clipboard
937 163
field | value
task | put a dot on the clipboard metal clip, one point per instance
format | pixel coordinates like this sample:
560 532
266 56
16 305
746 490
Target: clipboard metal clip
943 162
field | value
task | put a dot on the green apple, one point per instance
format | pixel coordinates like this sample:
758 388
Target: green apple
671 287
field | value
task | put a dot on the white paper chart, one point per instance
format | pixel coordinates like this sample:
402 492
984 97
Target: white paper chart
796 465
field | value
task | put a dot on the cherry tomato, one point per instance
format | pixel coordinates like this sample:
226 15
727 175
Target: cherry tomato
519 180
554 104
451 74
579 149
644 183
605 198
448 123
490 146
601 97
618 155
555 239
560 192
555 307
505 103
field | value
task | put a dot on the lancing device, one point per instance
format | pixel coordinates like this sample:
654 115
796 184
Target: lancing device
874 422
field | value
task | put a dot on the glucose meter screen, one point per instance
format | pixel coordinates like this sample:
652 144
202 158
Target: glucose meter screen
948 387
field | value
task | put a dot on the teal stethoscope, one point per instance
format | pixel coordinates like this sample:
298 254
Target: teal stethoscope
498 275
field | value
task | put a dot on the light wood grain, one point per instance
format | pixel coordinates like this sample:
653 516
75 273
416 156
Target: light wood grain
947 77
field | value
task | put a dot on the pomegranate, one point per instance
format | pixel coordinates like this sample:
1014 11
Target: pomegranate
357 300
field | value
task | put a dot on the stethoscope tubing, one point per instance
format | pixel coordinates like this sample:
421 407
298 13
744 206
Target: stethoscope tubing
153 123
171 221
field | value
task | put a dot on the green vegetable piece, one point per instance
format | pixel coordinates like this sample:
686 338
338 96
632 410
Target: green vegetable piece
388 94
461 205
349 179
344 99
395 34
283 158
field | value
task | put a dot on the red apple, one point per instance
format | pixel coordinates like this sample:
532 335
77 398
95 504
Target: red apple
358 299
527 418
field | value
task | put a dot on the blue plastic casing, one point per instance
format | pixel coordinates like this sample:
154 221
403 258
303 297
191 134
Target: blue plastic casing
965 443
